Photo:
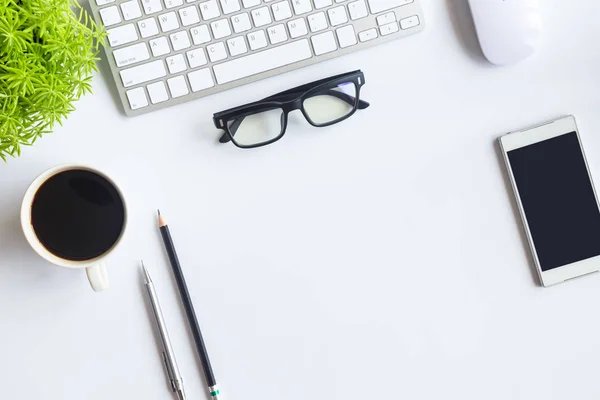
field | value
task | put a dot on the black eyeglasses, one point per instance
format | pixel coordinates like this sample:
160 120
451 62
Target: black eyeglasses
324 102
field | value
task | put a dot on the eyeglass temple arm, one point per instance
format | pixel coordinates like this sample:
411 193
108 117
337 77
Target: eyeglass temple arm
340 95
232 130
349 99
308 86
334 93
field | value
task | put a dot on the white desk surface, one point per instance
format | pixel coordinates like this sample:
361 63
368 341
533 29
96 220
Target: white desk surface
380 258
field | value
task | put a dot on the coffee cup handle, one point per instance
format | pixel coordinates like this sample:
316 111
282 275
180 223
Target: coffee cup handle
97 276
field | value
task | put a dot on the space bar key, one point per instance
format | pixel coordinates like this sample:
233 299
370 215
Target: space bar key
256 63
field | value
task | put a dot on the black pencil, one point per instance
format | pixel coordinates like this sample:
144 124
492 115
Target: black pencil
189 308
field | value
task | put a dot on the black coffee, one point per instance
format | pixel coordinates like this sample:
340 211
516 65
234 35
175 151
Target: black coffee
77 215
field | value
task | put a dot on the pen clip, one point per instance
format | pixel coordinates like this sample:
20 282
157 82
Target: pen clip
169 371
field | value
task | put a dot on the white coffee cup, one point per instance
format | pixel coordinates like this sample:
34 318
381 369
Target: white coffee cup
95 267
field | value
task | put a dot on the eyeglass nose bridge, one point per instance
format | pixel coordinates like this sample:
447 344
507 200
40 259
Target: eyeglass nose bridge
292 105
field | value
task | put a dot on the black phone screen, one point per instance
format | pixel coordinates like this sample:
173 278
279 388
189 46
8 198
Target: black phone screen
558 200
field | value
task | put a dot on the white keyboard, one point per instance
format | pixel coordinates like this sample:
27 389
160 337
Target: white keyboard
165 52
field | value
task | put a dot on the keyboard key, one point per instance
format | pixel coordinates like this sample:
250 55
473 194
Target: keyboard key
367 35
200 34
180 40
358 10
337 15
137 98
302 6
322 3
257 40
297 28
388 29
261 16
143 73
189 16
230 6
122 35
157 92
323 43
250 3
216 52
410 22
277 34
196 58
346 36
131 10
200 80
241 23
281 10
159 46
317 22
230 40
177 86
176 63
173 3
220 28
237 46
110 16
131 54
386 18
378 6
210 9
148 27
168 21
256 63
151 6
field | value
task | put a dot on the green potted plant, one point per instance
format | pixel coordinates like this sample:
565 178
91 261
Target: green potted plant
48 51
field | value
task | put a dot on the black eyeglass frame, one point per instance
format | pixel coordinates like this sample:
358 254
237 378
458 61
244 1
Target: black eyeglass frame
288 101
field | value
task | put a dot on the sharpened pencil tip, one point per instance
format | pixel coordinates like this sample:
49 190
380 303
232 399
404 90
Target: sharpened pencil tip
158 211
161 221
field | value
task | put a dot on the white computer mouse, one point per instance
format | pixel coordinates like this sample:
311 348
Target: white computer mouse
508 30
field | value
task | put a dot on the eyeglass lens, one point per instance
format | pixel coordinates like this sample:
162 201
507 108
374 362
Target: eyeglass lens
257 128
331 104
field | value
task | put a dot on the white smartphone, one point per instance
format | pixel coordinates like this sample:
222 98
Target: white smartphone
556 198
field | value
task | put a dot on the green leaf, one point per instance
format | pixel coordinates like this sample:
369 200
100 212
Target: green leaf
48 52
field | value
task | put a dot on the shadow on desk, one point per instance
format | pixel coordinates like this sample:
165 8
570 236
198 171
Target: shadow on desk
516 213
11 232
104 68
12 239
462 21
